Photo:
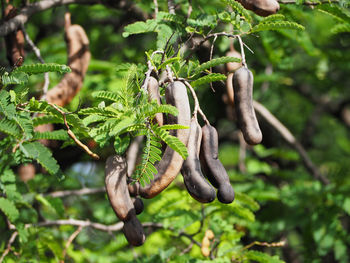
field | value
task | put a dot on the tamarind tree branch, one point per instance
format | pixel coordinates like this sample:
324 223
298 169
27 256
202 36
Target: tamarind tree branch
8 247
70 240
31 9
288 136
83 191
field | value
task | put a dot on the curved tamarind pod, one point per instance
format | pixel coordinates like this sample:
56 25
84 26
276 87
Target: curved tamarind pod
78 60
212 167
233 66
229 89
261 7
169 167
119 197
139 206
196 185
117 189
243 90
14 41
153 94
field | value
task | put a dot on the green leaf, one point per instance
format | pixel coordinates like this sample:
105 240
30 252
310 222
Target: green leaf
247 200
237 7
215 62
208 78
122 125
25 122
14 78
121 144
51 135
46 119
6 106
107 95
42 155
10 127
340 28
93 119
174 127
42 68
271 18
262 257
172 141
140 27
277 26
9 209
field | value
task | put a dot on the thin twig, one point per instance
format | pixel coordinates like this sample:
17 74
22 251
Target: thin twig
171 7
72 135
189 11
70 240
265 244
8 248
242 52
37 53
210 58
288 136
155 2
309 3
83 191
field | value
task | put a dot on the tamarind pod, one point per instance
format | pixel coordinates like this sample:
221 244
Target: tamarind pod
118 195
138 205
133 231
243 92
229 89
14 41
153 94
116 187
169 167
212 167
196 185
261 7
78 60
209 234
233 66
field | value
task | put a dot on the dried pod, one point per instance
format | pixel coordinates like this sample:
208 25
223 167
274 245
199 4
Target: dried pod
153 94
14 40
212 167
243 92
261 7
169 167
197 186
119 197
78 60
229 89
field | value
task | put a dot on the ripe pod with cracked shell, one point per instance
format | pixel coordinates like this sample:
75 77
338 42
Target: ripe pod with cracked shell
261 7
119 197
197 186
243 90
169 167
153 94
212 167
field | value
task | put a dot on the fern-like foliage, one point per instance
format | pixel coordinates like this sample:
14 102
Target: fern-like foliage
7 108
42 68
215 62
139 27
208 78
51 135
171 141
272 18
146 170
9 209
277 26
10 127
15 77
341 28
106 95
257 256
38 152
237 7
46 119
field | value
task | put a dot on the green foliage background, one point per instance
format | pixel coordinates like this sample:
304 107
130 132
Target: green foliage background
301 65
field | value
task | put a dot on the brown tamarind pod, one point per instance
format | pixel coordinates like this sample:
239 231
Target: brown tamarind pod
261 7
229 89
243 92
209 234
233 66
78 60
196 185
139 206
119 197
15 40
133 231
153 94
212 167
169 167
